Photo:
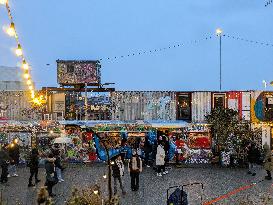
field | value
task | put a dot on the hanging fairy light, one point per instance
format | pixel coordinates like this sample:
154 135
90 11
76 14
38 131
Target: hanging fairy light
28 82
3 2
26 76
30 87
25 65
19 51
11 29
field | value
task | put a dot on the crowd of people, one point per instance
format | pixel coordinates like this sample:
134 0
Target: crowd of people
153 154
9 160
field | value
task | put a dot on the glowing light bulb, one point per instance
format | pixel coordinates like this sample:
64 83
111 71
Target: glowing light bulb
19 51
96 192
36 101
25 65
11 29
51 131
219 31
28 82
3 2
26 76
104 176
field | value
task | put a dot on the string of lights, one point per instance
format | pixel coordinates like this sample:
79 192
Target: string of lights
268 3
12 32
152 51
247 40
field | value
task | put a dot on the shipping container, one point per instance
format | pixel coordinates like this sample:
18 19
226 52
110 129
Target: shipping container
201 105
143 105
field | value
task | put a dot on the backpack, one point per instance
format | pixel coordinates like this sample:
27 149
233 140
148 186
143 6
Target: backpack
178 197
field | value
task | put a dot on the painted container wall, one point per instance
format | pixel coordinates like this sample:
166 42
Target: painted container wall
246 105
234 101
201 105
256 106
144 105
239 101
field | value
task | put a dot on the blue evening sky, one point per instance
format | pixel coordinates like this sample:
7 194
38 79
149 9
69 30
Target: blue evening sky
94 29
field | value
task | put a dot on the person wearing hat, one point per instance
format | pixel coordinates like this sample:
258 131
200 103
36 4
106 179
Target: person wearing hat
135 168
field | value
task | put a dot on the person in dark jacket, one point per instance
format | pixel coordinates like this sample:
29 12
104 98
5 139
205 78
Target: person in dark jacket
135 168
51 175
14 153
118 173
33 167
147 151
4 161
59 166
253 155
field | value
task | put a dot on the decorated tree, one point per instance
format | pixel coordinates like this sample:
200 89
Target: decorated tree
223 122
229 131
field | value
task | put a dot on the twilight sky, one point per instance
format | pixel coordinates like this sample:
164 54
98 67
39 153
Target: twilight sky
90 30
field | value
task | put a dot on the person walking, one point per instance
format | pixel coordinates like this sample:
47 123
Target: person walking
33 167
51 175
59 167
118 173
14 153
135 168
253 155
160 159
268 165
4 162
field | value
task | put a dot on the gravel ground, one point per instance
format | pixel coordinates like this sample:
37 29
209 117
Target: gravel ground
153 190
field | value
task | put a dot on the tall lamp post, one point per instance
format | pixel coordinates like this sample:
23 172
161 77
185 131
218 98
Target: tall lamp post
219 33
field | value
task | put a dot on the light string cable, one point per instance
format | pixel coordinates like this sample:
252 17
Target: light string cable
11 31
268 3
147 52
248 40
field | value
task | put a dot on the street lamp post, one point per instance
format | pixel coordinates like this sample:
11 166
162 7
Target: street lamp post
219 34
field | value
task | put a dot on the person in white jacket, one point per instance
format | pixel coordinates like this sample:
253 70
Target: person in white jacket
160 160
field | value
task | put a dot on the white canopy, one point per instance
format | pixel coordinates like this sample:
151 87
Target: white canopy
63 140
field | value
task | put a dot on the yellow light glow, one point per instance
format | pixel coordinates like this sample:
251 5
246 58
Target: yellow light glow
51 131
26 76
96 192
30 87
3 2
104 176
11 145
32 95
19 51
16 141
11 30
29 82
36 101
219 31
25 65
